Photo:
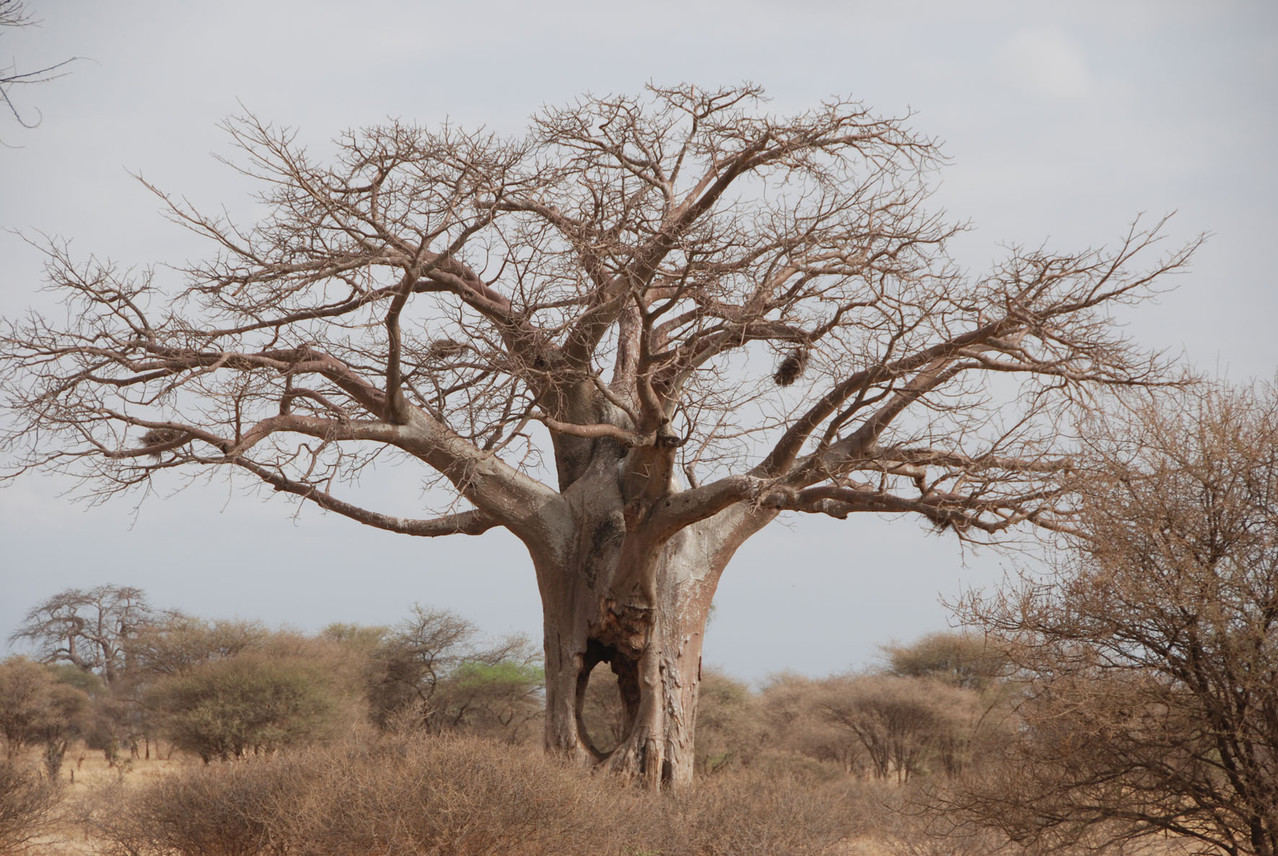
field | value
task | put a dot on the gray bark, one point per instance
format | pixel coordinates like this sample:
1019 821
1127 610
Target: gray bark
623 603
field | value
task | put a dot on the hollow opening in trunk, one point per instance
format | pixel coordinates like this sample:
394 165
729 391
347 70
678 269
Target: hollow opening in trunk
607 705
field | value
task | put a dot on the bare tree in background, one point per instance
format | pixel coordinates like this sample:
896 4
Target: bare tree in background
1153 659
91 629
632 338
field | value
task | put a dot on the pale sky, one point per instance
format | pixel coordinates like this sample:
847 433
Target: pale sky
1063 122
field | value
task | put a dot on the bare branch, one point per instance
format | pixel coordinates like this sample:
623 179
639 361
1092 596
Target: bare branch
473 522
644 289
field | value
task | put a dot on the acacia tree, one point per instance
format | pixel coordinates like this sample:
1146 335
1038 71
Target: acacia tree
181 642
960 659
251 702
903 724
432 671
632 338
1152 658
35 706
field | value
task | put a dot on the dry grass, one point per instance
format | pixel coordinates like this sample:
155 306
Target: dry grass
85 778
415 796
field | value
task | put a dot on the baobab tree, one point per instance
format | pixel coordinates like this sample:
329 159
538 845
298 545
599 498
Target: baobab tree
91 629
632 338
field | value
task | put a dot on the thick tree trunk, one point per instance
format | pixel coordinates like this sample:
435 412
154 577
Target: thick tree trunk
649 633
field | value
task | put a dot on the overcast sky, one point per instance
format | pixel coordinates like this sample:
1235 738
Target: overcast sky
1063 122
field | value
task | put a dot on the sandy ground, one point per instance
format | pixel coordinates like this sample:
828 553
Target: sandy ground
85 772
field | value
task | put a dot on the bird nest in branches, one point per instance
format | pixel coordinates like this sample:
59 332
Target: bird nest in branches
791 368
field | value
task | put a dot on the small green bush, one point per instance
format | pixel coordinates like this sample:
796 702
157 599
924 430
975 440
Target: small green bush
246 704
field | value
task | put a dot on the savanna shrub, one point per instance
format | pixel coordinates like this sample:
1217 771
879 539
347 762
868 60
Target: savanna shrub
460 795
221 810
27 803
751 813
444 794
251 703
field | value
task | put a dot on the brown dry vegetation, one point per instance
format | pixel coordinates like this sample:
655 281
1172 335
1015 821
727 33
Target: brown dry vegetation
85 779
842 765
420 739
454 794
423 794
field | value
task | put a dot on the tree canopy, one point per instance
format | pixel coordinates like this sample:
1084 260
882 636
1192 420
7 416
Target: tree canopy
632 337
647 271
